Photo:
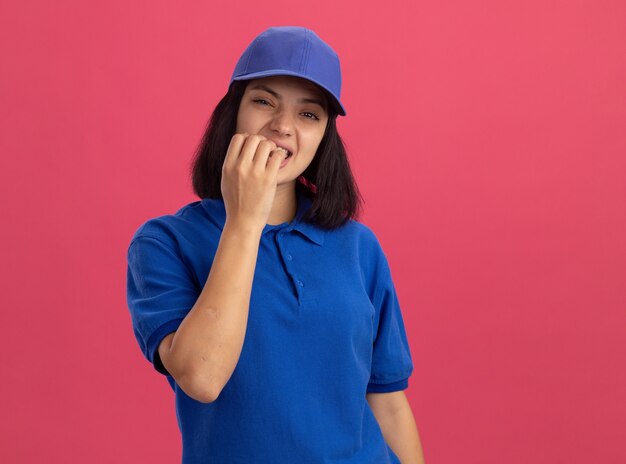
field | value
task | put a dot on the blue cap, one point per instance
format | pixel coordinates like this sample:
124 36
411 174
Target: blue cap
292 51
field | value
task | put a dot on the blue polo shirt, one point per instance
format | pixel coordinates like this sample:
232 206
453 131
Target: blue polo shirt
324 328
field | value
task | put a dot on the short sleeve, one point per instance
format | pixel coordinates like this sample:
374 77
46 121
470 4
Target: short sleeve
391 360
160 292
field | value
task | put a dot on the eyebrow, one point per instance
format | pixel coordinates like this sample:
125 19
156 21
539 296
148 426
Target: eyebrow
317 101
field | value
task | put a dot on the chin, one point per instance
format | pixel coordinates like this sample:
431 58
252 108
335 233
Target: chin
285 179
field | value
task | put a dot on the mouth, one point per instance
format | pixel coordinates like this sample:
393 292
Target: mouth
285 150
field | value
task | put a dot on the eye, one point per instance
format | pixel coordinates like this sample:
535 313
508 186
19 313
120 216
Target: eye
260 101
314 116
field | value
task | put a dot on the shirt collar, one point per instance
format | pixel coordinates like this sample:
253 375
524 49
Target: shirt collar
311 231
217 214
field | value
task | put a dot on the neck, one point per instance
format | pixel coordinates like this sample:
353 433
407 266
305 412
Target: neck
285 204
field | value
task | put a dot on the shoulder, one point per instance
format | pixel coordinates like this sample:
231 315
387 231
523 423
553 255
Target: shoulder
357 241
172 228
363 236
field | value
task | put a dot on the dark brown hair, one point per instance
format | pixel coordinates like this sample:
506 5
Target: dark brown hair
327 181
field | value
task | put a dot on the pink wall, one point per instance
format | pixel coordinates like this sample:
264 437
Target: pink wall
488 139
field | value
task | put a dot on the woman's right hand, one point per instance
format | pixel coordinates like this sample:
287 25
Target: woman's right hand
249 176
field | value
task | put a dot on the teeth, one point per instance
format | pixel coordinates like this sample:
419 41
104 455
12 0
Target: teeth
285 150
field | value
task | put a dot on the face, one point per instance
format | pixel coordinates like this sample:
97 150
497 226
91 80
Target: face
291 112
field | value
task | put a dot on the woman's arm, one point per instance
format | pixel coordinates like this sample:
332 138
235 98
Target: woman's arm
203 353
395 418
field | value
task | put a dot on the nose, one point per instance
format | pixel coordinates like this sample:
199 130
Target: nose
282 123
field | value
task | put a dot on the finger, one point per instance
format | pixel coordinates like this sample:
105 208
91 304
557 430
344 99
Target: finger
249 149
265 150
273 164
234 149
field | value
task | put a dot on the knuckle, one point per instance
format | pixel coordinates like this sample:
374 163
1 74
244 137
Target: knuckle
240 137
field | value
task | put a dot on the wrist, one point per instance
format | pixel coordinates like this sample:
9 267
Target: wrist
243 228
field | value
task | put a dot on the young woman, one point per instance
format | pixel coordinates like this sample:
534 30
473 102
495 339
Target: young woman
268 307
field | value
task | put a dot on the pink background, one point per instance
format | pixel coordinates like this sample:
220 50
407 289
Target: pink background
488 139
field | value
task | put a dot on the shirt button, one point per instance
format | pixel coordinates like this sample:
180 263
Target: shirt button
300 283
289 258
281 234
